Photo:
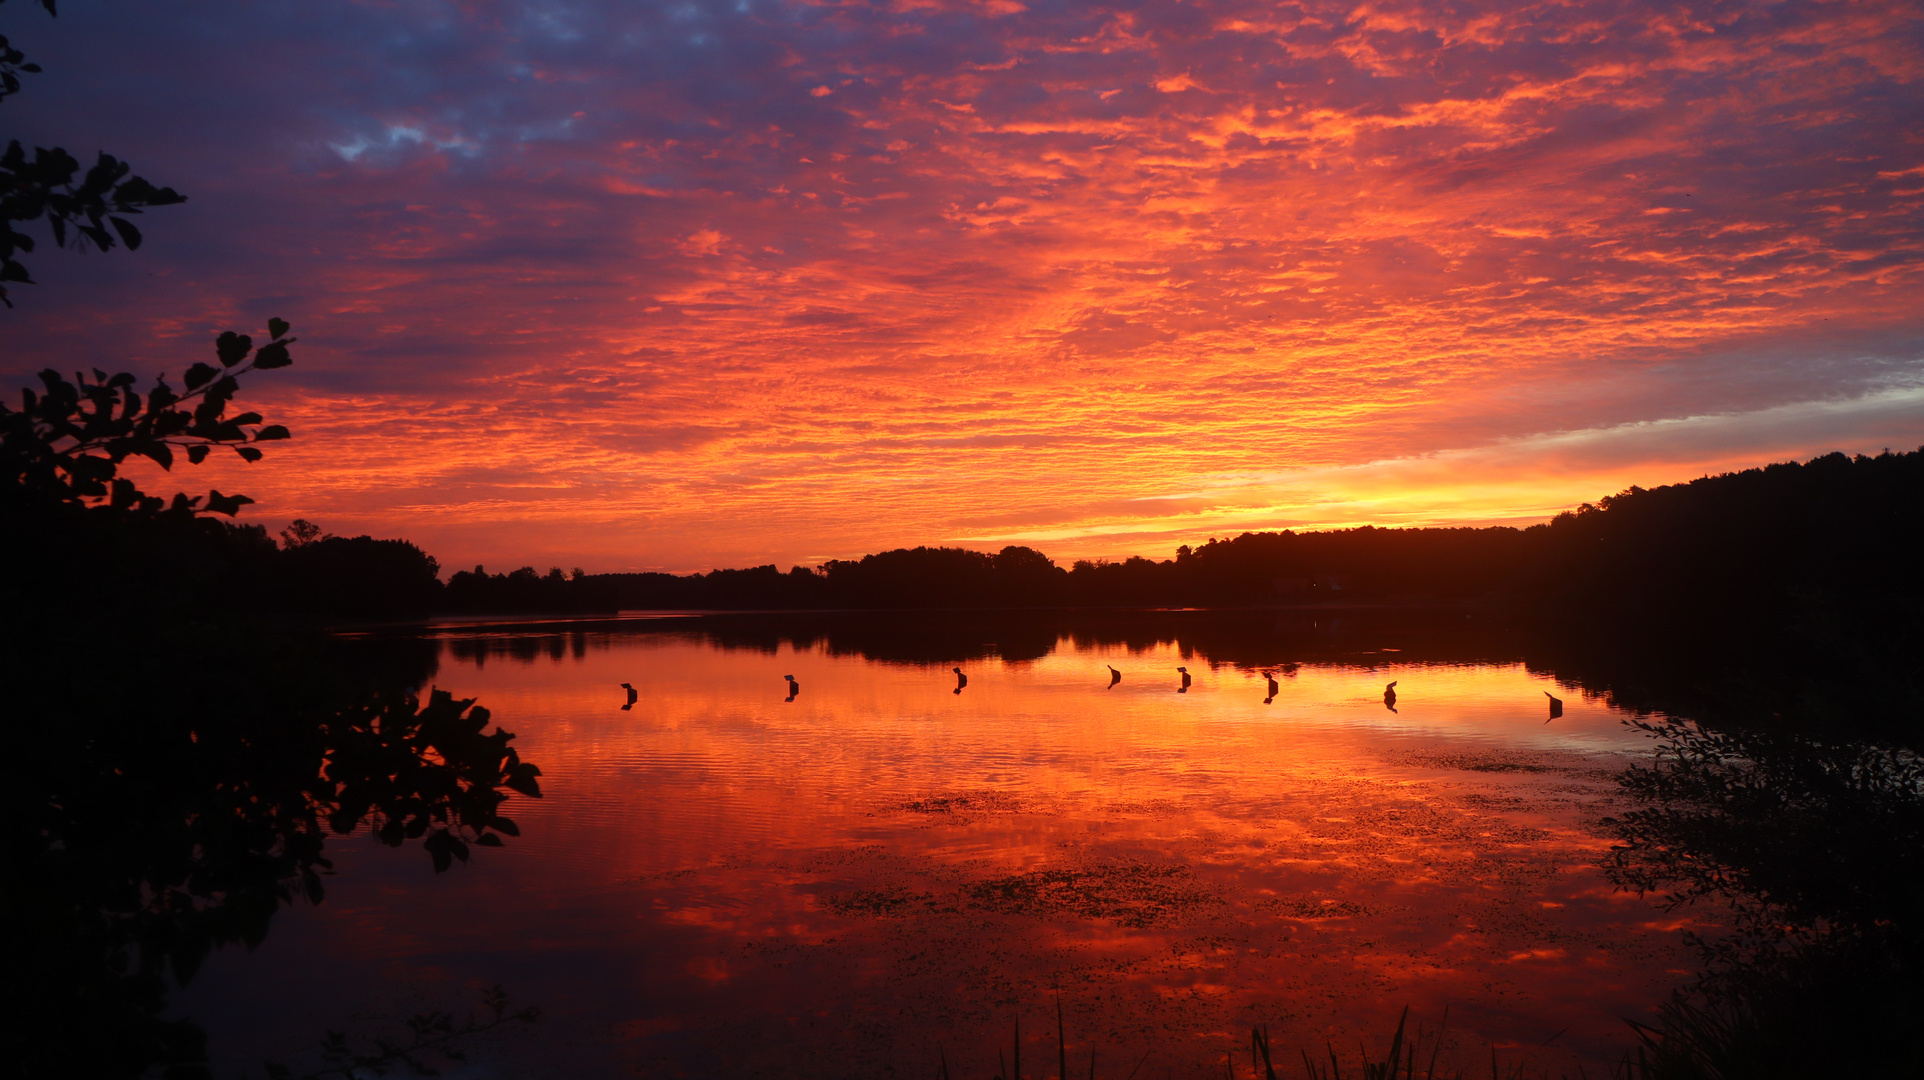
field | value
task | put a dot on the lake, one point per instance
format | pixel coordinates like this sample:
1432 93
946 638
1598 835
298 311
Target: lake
883 874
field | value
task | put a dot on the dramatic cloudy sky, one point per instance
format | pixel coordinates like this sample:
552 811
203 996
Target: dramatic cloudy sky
625 285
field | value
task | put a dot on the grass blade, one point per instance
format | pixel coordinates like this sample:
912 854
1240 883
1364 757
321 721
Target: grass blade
1062 1043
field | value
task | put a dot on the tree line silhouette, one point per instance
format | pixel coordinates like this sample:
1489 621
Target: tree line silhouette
1818 543
1787 590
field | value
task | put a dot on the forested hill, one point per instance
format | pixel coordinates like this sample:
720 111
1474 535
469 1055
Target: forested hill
1820 532
1829 539
1252 569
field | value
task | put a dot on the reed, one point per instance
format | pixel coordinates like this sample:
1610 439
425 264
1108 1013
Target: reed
1412 1054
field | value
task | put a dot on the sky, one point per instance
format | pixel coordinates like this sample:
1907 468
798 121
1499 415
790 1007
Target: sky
670 286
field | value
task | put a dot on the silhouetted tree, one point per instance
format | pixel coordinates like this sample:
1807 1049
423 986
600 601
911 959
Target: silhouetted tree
191 756
526 592
1811 853
944 578
356 577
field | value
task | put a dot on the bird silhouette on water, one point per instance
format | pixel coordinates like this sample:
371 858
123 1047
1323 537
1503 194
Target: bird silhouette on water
1556 705
1389 696
1184 689
961 680
793 688
632 697
1114 675
1270 677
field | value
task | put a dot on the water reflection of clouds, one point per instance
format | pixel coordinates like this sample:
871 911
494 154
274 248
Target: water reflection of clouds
881 865
1179 864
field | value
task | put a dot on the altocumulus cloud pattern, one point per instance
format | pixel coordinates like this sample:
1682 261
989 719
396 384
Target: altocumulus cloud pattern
646 284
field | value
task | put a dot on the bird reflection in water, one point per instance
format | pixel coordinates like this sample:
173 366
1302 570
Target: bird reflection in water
633 696
793 688
1270 677
961 680
1184 688
1556 705
1389 696
1114 675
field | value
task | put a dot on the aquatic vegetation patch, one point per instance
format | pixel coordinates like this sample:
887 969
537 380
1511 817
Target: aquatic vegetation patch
883 903
1492 762
1309 907
1152 807
968 803
1130 894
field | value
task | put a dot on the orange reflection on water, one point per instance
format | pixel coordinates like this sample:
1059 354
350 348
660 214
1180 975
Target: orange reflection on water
719 880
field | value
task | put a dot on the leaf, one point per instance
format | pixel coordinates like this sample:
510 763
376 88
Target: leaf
128 234
105 174
277 328
196 454
224 504
271 433
248 453
200 375
438 846
233 348
521 778
272 356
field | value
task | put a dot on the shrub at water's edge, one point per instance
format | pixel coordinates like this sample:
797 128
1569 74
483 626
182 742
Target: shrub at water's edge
1812 852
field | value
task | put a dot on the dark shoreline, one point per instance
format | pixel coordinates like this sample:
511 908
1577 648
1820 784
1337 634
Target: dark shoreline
1725 675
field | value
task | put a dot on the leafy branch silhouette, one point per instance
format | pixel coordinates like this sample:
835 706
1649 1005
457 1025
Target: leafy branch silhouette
92 210
13 63
432 773
67 442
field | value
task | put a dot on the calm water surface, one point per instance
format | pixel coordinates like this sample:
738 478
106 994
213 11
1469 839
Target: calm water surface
722 882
